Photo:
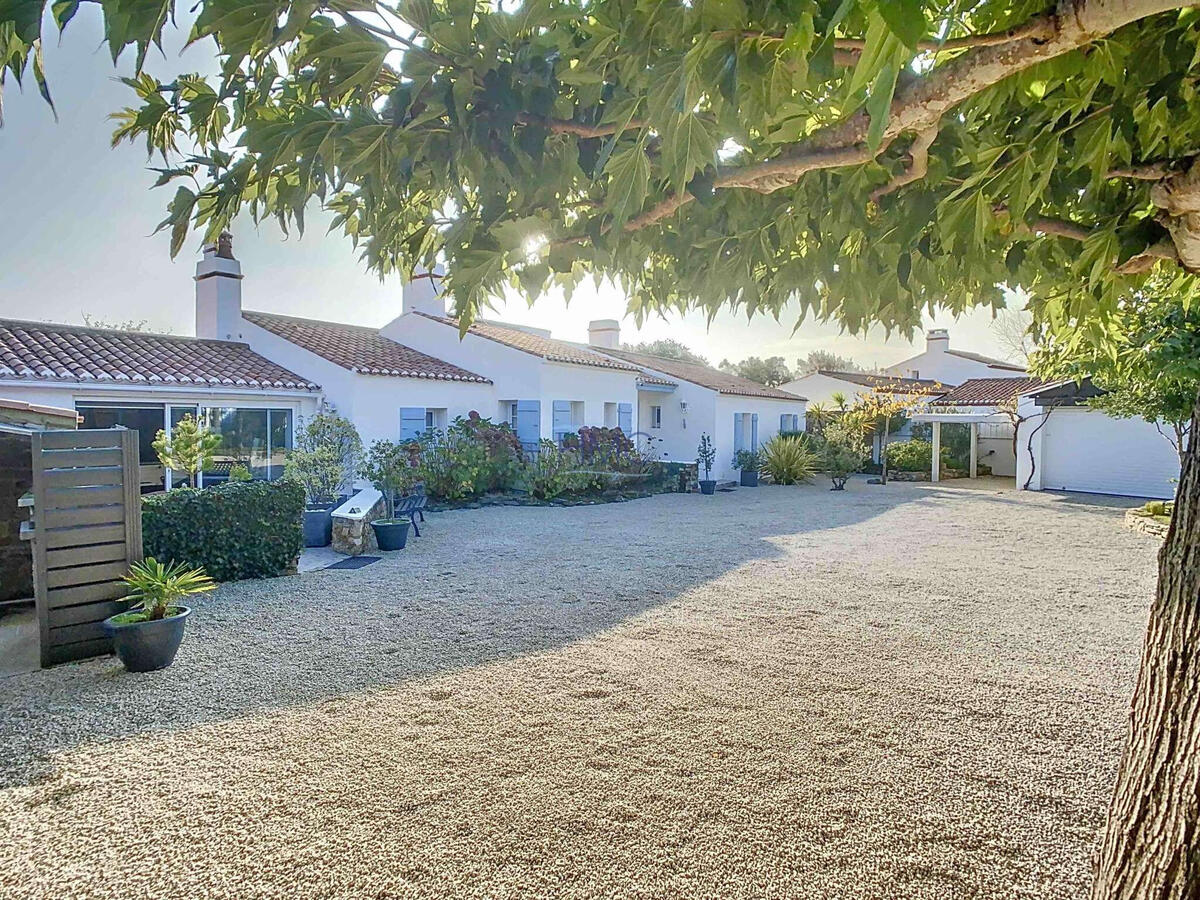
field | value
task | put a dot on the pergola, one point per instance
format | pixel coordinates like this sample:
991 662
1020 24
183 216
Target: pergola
975 401
971 417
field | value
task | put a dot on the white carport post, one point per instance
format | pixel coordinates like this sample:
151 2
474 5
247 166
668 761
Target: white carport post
936 472
974 426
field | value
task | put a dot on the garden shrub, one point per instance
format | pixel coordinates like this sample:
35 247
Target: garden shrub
236 530
917 456
910 456
501 466
788 460
554 471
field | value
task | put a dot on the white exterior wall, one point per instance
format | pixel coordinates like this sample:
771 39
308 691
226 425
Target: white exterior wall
373 402
820 388
950 370
1081 449
680 433
518 375
65 395
768 410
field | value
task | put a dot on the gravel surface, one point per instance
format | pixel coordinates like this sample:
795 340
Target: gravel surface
915 691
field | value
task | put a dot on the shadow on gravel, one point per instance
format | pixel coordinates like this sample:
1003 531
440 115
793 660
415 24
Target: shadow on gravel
479 586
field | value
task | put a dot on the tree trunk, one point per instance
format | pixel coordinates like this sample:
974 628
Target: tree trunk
1151 845
883 449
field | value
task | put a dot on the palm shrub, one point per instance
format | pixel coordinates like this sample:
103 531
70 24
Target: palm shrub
326 457
788 460
155 588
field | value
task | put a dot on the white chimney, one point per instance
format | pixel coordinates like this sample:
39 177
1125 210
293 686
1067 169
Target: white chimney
604 333
424 293
937 340
219 292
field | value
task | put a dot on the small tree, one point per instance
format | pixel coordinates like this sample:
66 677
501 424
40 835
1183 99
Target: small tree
389 467
706 455
326 456
874 412
189 448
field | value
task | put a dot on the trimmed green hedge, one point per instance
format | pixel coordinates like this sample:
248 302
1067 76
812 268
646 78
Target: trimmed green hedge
236 530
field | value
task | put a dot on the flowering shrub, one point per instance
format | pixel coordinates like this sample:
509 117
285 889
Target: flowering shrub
502 451
553 471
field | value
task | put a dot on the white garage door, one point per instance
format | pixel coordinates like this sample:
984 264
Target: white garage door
1085 450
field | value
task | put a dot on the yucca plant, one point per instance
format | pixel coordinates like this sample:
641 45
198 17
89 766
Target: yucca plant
154 588
788 460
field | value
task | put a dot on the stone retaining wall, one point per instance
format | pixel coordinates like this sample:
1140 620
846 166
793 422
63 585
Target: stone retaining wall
1146 524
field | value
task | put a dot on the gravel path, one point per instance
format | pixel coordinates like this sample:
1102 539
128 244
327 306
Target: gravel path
913 692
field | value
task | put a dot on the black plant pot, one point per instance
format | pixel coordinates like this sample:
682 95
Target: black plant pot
749 478
391 534
318 525
708 487
150 645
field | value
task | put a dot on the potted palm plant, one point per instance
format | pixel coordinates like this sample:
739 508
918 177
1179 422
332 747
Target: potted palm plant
389 466
748 462
147 636
706 458
323 462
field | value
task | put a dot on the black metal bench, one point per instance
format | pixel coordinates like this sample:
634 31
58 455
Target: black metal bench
412 506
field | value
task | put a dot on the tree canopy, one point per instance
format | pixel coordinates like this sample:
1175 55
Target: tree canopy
668 348
871 159
827 360
772 371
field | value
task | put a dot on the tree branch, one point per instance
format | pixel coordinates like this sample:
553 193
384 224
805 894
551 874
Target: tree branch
579 129
919 153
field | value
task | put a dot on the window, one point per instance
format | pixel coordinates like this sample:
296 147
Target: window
147 419
256 438
435 419
508 413
914 373
610 415
656 417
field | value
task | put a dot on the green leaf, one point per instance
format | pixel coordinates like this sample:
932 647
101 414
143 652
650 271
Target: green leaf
906 19
628 182
688 147
879 103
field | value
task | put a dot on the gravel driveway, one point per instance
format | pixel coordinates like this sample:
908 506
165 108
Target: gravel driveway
903 692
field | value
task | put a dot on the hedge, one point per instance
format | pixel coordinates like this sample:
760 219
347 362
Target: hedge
236 530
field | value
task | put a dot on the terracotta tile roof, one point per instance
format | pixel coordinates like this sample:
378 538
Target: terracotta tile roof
646 378
705 376
987 360
360 349
889 383
535 344
989 391
48 352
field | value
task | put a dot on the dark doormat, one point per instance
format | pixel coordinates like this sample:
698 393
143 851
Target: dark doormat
354 562
726 490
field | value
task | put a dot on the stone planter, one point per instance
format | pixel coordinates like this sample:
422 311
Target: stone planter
352 533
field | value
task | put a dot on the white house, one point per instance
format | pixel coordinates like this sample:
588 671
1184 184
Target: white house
1063 445
735 412
824 384
253 375
950 367
149 382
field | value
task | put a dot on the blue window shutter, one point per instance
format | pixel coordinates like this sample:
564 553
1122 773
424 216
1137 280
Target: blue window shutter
562 417
754 432
795 422
529 423
739 437
412 422
784 420
625 417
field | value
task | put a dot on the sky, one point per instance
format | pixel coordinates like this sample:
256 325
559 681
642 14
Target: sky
77 219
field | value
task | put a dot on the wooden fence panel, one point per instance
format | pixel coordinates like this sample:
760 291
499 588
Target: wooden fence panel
87 518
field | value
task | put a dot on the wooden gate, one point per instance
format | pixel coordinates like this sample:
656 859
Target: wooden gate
87 517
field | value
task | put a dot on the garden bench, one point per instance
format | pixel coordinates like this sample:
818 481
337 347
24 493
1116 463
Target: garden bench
412 506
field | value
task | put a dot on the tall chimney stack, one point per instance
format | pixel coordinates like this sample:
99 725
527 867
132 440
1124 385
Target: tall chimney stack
219 292
604 333
424 293
937 340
